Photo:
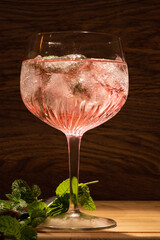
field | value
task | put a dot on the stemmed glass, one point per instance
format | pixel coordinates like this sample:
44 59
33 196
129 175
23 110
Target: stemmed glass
74 81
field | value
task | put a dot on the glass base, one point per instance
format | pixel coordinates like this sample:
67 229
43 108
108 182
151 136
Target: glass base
76 221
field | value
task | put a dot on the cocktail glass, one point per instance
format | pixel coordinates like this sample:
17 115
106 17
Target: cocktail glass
74 81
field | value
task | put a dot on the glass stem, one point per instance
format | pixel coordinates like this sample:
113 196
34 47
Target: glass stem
74 160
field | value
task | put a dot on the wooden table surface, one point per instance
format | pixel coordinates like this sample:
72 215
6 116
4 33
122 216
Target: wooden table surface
135 220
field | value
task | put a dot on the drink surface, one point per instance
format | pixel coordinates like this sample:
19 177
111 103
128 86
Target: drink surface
74 95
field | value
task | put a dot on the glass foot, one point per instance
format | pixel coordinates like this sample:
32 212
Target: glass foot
76 221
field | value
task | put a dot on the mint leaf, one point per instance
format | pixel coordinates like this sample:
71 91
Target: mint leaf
28 233
33 212
10 197
50 57
84 197
23 189
63 188
36 191
59 205
10 227
37 212
88 203
75 185
4 205
19 205
16 194
37 217
36 206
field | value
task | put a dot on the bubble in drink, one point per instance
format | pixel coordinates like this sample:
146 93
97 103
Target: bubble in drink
73 93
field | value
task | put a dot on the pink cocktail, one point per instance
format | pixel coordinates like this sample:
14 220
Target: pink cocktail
74 95
74 81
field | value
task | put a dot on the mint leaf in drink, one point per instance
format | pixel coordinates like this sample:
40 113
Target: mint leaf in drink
69 56
63 188
10 227
50 57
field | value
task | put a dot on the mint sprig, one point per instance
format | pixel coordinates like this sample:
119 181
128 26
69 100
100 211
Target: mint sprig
20 189
84 197
28 232
63 188
10 227
30 211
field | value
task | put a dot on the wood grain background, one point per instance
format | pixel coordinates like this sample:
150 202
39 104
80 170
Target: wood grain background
124 153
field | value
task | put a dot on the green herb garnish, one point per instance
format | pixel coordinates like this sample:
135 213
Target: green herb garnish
25 211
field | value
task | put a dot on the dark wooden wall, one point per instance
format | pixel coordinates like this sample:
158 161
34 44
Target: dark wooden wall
123 153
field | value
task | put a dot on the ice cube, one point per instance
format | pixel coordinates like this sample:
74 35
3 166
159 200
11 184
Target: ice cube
39 57
118 58
29 79
73 56
64 63
111 73
57 89
69 56
33 76
85 85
